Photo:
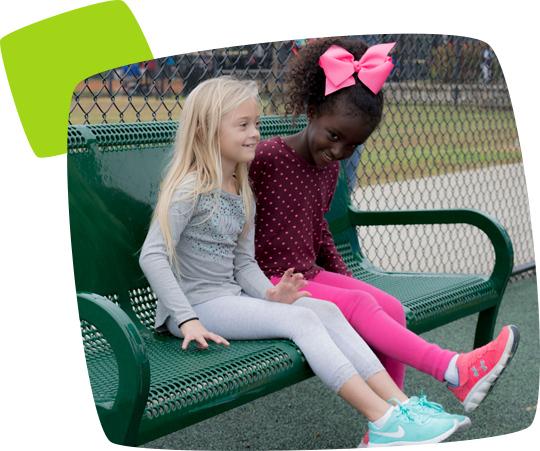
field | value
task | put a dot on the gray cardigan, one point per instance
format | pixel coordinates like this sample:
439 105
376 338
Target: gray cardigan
213 259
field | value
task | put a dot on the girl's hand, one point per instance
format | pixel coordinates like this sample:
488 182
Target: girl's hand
194 330
286 291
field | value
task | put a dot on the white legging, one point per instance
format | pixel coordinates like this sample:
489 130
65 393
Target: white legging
333 349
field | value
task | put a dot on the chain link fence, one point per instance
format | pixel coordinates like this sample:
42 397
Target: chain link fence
448 139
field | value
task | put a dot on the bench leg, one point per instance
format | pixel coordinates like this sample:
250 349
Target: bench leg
485 326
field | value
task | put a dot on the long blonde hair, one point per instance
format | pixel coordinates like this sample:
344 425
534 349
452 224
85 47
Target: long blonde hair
195 168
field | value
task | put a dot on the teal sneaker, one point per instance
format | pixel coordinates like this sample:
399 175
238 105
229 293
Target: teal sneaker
406 427
423 406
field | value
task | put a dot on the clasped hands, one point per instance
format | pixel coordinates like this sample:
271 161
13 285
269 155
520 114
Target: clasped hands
285 292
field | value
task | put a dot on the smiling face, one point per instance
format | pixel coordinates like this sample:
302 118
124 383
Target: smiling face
335 137
239 134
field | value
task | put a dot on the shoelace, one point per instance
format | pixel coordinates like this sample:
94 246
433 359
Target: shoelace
404 410
428 404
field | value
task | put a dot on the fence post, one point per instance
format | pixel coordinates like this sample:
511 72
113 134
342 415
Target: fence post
156 78
275 75
456 74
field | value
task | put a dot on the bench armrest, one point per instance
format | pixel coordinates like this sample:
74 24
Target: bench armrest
497 234
120 422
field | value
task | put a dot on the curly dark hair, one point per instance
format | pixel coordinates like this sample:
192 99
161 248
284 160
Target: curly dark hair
307 81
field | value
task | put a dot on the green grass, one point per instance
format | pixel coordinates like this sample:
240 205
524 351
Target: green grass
414 140
422 140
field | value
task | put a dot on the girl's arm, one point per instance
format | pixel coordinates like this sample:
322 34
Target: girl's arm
157 269
247 272
328 256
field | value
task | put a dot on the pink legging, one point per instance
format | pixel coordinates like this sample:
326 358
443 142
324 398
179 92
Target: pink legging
380 320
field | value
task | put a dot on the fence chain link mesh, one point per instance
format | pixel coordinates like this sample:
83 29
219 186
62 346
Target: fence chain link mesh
448 138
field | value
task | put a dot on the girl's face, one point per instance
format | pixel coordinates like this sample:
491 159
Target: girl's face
239 133
334 137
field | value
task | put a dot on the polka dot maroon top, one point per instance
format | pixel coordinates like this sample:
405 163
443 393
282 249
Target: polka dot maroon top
292 198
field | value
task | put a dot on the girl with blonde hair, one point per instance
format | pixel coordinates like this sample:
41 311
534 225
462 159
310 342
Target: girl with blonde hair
199 259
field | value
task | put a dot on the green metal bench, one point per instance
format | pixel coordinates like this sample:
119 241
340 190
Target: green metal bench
144 385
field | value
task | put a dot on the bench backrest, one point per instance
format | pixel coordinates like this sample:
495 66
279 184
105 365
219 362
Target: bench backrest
114 173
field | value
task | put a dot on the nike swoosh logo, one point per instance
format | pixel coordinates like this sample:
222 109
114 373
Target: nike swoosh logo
400 433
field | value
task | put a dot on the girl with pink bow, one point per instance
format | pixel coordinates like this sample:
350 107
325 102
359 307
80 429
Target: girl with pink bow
337 83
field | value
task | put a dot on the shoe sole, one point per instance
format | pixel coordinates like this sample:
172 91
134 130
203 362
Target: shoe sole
438 439
465 425
484 386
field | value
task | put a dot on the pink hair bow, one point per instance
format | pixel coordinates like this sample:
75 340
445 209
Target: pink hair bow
373 68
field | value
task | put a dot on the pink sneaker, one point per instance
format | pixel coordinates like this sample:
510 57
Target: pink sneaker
365 441
480 369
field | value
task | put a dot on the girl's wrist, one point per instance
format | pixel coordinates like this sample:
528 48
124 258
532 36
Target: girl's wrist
186 321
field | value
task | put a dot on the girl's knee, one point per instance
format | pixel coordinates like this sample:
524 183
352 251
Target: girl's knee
374 302
331 310
394 309
359 303
321 308
304 315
